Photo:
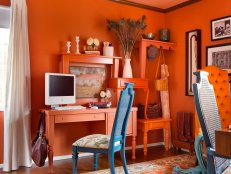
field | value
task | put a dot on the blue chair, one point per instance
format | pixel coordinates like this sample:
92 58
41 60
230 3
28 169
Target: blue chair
104 144
208 115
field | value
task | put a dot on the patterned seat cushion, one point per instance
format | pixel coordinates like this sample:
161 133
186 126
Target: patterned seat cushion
94 141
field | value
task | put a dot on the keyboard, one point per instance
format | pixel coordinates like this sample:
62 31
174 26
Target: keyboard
69 107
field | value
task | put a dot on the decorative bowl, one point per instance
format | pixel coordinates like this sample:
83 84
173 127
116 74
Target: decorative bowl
150 36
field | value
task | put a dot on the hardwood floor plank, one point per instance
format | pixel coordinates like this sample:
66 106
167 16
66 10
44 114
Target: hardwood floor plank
85 164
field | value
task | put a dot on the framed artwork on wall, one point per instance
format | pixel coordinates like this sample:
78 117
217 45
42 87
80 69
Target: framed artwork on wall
220 56
193 58
220 28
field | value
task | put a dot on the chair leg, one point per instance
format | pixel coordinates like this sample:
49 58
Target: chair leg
123 157
210 164
96 156
111 162
74 159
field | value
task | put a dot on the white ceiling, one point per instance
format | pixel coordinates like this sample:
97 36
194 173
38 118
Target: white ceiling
164 4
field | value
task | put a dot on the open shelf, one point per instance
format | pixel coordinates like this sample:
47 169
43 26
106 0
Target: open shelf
159 44
68 59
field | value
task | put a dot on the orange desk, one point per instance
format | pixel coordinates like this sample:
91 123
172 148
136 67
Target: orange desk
146 125
67 116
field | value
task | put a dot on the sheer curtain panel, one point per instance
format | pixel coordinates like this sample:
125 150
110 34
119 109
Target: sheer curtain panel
17 150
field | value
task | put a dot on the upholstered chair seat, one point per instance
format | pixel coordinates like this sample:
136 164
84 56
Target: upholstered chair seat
99 141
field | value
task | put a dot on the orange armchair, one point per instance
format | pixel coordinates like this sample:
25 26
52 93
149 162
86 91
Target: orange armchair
219 79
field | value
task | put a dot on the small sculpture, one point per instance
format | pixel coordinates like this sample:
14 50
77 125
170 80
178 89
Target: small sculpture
68 46
77 44
105 95
92 44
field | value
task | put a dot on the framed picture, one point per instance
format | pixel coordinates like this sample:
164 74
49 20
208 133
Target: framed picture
220 28
193 58
90 79
220 56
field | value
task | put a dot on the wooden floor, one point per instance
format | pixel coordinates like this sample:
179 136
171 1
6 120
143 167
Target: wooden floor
85 164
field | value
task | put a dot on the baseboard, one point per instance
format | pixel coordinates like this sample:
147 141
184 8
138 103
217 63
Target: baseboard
56 158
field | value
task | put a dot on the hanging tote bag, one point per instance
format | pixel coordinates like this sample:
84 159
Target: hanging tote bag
160 84
39 143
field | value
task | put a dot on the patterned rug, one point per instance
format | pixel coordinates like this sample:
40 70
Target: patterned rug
160 166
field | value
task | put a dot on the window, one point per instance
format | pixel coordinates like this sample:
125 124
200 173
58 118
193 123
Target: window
4 35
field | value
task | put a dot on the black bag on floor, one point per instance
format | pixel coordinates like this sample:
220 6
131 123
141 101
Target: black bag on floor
39 143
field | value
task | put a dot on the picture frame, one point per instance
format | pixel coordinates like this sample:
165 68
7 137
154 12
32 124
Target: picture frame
219 56
90 79
221 28
193 58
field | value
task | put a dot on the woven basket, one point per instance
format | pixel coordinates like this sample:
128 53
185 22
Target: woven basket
153 110
161 84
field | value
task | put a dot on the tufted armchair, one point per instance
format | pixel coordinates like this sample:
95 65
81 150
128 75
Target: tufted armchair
207 110
219 79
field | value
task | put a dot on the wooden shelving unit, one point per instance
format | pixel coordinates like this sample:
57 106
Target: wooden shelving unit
159 44
144 43
68 59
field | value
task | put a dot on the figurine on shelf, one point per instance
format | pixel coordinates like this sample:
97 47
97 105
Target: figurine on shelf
68 46
92 46
105 95
77 44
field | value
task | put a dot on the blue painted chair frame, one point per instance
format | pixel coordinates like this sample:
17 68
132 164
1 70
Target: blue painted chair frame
118 134
208 115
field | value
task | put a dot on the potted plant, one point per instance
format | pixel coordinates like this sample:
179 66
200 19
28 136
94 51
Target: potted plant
128 31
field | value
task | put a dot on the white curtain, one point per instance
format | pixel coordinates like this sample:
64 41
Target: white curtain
17 149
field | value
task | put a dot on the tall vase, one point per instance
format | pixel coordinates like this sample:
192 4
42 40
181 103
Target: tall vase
127 70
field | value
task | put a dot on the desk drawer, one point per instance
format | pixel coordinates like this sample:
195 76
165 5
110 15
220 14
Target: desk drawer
79 118
159 125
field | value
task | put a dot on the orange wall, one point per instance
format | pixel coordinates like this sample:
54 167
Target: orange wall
51 24
196 16
5 2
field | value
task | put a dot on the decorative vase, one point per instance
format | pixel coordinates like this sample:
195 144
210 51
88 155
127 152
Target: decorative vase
127 70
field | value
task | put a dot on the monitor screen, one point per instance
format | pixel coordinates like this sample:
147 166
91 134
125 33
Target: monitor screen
59 89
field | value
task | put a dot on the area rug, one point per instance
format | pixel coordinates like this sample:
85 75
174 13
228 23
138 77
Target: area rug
160 166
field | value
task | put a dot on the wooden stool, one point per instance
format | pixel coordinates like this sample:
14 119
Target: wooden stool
146 125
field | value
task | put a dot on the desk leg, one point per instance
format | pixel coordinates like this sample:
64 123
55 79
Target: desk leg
50 125
50 159
133 147
167 139
145 142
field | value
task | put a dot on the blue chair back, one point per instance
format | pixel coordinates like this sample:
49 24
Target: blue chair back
122 115
207 111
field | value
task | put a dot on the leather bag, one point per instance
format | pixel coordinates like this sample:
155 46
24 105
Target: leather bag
39 143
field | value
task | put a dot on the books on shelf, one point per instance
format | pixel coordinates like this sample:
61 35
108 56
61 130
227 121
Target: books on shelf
93 52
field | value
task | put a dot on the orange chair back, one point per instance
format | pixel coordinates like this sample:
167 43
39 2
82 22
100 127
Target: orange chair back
219 79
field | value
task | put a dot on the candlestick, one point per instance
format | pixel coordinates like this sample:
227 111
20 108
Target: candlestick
77 44
68 46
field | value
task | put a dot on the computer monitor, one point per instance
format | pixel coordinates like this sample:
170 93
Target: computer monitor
59 89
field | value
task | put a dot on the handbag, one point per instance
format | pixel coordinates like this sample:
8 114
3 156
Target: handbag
39 143
160 84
